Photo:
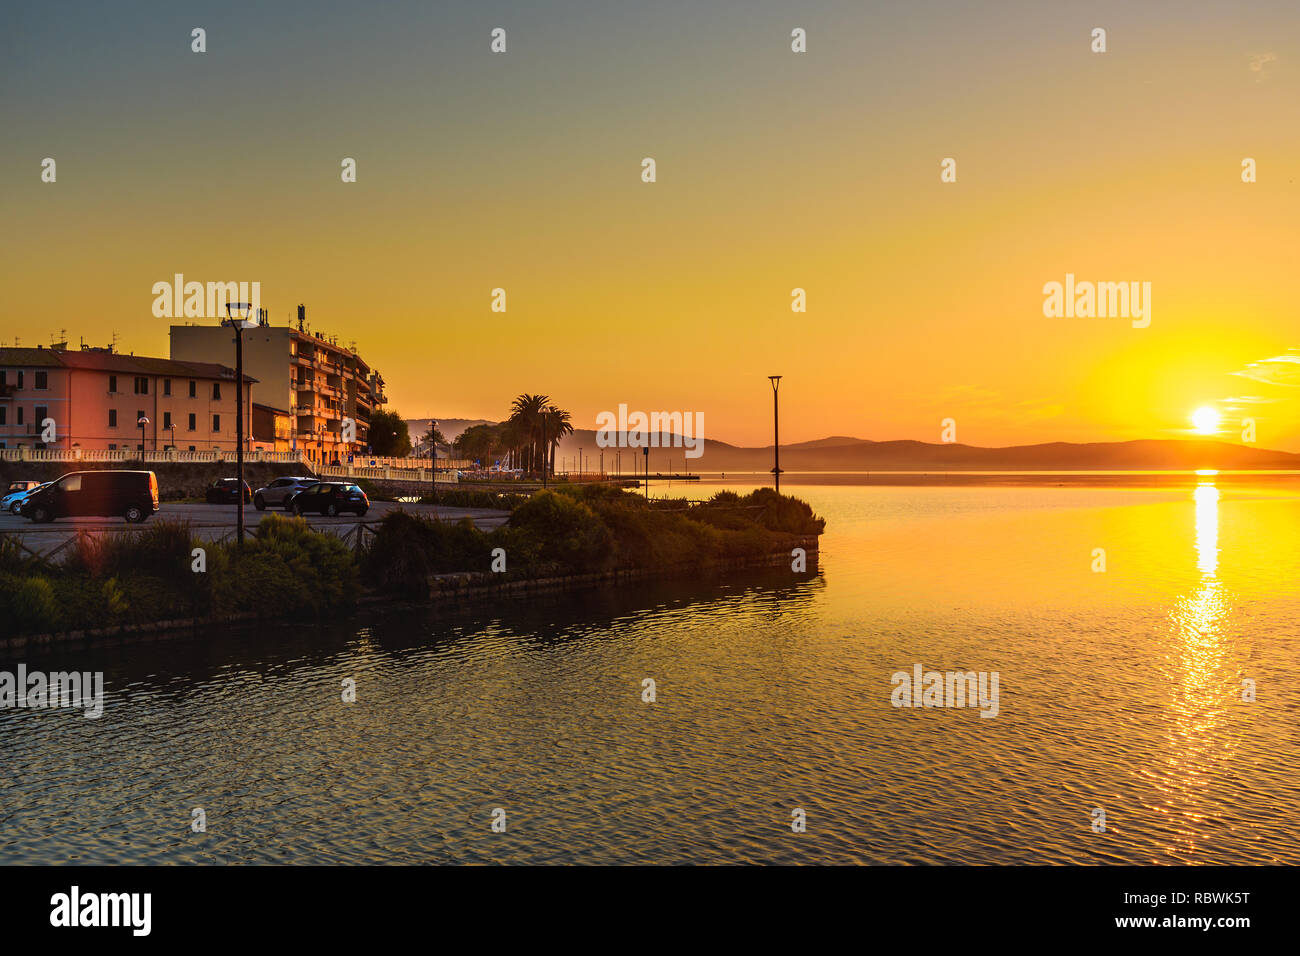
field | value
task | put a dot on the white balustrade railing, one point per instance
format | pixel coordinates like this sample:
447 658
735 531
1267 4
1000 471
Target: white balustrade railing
361 466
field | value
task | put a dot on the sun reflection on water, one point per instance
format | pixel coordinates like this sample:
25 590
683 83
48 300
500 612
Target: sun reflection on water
1199 745
1207 528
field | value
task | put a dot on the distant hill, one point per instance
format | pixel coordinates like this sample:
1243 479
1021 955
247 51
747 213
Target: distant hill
450 427
854 454
840 453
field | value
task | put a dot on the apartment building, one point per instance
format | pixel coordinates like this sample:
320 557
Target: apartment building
96 398
272 428
321 383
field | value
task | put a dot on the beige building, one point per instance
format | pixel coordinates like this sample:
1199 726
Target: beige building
100 399
321 383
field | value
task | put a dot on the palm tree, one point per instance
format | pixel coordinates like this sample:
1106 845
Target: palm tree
513 436
559 423
528 411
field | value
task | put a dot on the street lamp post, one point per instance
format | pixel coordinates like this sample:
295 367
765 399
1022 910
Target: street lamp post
142 421
776 432
237 314
433 460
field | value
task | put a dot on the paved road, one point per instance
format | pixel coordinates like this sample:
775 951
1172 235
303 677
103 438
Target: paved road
211 522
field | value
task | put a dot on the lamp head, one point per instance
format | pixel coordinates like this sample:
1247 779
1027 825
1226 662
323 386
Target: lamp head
237 315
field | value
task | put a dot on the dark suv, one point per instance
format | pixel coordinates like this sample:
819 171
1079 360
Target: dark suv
132 495
224 491
329 498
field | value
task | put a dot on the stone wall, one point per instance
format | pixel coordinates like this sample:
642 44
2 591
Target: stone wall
176 480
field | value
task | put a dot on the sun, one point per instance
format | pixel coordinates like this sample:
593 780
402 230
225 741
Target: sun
1205 420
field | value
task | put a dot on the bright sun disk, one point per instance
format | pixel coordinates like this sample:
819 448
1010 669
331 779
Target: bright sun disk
1205 420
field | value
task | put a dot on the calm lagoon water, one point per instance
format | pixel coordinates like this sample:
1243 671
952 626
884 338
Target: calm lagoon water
1120 690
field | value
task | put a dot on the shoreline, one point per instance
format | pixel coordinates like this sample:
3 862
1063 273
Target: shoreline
456 589
1072 479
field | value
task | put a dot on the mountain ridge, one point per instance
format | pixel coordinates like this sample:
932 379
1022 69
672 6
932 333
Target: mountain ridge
843 453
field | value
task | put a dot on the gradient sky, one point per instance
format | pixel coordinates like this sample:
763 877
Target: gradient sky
776 170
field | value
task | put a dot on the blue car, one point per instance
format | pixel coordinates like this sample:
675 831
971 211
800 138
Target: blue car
18 491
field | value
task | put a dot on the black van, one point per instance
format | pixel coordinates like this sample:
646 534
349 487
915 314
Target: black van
132 495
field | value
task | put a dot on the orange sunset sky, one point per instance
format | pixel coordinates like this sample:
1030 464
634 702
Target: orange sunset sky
776 170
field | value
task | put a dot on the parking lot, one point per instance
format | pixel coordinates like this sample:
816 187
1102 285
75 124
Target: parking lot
214 522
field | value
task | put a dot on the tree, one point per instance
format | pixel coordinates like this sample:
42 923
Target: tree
559 423
432 435
528 411
477 443
389 436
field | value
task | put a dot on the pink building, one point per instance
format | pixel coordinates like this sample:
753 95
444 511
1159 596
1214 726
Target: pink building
95 399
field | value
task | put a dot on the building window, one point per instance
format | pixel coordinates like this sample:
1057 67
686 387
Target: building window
42 413
167 420
4 377
20 378
192 424
193 448
112 446
141 385
216 391
20 415
112 383
112 418
138 416
42 380
216 423
4 413
167 386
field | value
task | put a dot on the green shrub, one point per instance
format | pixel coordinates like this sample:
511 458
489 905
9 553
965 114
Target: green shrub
163 548
14 560
285 568
564 531
783 513
27 604
475 498
408 548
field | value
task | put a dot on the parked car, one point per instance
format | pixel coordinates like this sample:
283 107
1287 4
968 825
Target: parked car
17 493
132 495
280 491
224 491
329 498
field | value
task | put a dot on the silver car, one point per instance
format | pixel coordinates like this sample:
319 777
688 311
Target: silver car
279 491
